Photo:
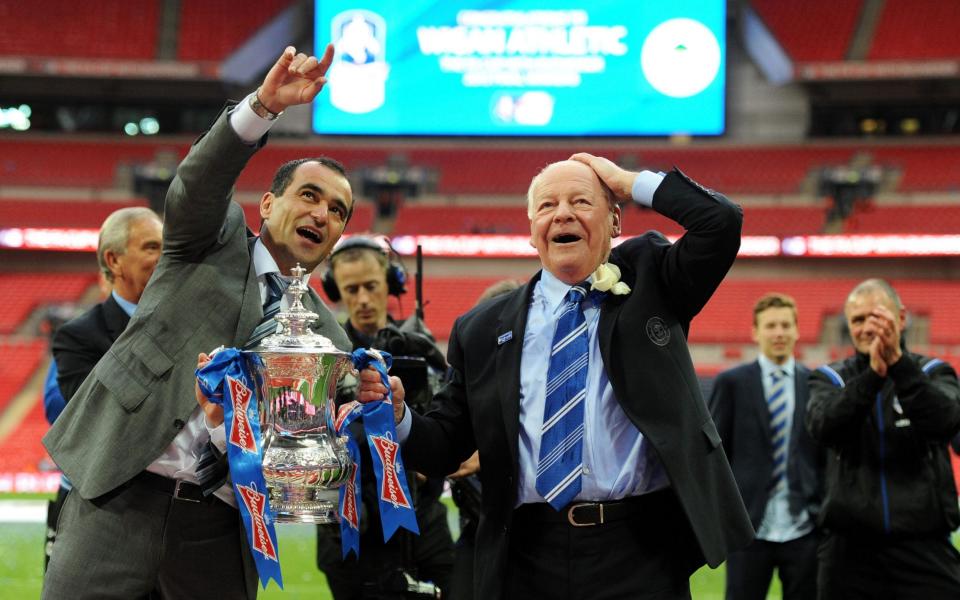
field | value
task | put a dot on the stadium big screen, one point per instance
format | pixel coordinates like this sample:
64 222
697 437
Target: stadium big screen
523 68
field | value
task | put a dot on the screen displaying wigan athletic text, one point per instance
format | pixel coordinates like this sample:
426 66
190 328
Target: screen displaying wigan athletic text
523 67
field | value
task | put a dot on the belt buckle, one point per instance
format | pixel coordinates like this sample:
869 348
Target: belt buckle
176 492
573 507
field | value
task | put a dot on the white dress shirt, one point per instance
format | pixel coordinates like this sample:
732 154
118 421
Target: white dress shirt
179 459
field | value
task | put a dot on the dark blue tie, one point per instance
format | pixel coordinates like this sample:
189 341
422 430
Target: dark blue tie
276 286
560 463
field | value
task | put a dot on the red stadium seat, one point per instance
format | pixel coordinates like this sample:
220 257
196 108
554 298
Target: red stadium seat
919 29
821 31
70 29
23 292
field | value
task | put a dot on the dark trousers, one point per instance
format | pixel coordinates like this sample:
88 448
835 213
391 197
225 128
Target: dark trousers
649 555
135 540
53 515
461 578
427 557
750 570
888 568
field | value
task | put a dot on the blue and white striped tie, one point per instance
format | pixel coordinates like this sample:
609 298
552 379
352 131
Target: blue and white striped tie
276 286
560 461
777 403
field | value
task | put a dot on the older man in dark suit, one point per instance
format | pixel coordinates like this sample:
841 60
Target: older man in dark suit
603 474
759 408
140 517
127 252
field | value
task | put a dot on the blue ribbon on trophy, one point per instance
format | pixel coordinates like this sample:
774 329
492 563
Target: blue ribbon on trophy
225 380
395 501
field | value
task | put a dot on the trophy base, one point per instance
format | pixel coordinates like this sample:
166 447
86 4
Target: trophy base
304 505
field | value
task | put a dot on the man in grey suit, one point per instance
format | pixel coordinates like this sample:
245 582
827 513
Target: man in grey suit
138 518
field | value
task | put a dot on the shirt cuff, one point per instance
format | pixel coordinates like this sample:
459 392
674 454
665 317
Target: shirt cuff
218 435
403 427
249 126
644 186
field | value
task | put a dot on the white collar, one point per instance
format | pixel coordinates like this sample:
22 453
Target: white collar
264 262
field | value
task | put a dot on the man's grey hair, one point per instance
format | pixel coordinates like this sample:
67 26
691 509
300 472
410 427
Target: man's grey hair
874 286
115 233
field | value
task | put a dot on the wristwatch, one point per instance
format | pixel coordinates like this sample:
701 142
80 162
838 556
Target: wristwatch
261 110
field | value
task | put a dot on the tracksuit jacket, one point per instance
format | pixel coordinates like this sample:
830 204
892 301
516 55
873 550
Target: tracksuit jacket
888 470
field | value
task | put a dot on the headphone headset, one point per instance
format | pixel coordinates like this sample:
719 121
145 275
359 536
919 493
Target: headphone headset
396 274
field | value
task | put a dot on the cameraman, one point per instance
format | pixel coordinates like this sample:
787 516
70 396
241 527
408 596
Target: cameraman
362 275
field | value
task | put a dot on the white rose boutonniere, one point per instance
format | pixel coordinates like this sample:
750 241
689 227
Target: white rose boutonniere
607 279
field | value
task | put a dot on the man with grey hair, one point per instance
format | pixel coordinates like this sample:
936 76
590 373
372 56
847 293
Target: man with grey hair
127 252
602 472
886 416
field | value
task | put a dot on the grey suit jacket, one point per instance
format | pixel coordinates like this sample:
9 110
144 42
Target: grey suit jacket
204 293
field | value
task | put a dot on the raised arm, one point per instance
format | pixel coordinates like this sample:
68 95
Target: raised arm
198 198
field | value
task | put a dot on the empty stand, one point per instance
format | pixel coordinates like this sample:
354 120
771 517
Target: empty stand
70 29
67 161
211 29
916 218
919 29
22 293
777 169
728 317
31 212
817 30
21 451
20 360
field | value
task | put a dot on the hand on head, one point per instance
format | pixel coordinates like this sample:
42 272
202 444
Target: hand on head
294 79
372 390
620 181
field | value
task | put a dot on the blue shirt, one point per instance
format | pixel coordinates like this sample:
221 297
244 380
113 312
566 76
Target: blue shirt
617 460
778 525
127 306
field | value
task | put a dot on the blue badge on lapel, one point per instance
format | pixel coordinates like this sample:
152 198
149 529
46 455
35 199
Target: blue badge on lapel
504 338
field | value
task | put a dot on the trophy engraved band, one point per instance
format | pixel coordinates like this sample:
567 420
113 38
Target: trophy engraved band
304 461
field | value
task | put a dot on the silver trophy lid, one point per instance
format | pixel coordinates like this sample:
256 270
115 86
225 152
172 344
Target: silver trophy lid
294 335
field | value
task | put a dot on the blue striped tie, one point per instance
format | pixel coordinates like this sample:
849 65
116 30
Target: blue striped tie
276 286
560 461
777 403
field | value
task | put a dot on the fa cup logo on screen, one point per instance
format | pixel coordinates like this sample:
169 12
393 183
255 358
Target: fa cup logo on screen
358 76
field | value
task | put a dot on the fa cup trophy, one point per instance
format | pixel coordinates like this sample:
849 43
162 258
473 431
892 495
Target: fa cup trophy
304 461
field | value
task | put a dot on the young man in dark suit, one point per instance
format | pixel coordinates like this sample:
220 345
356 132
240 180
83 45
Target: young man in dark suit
602 472
759 410
139 518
